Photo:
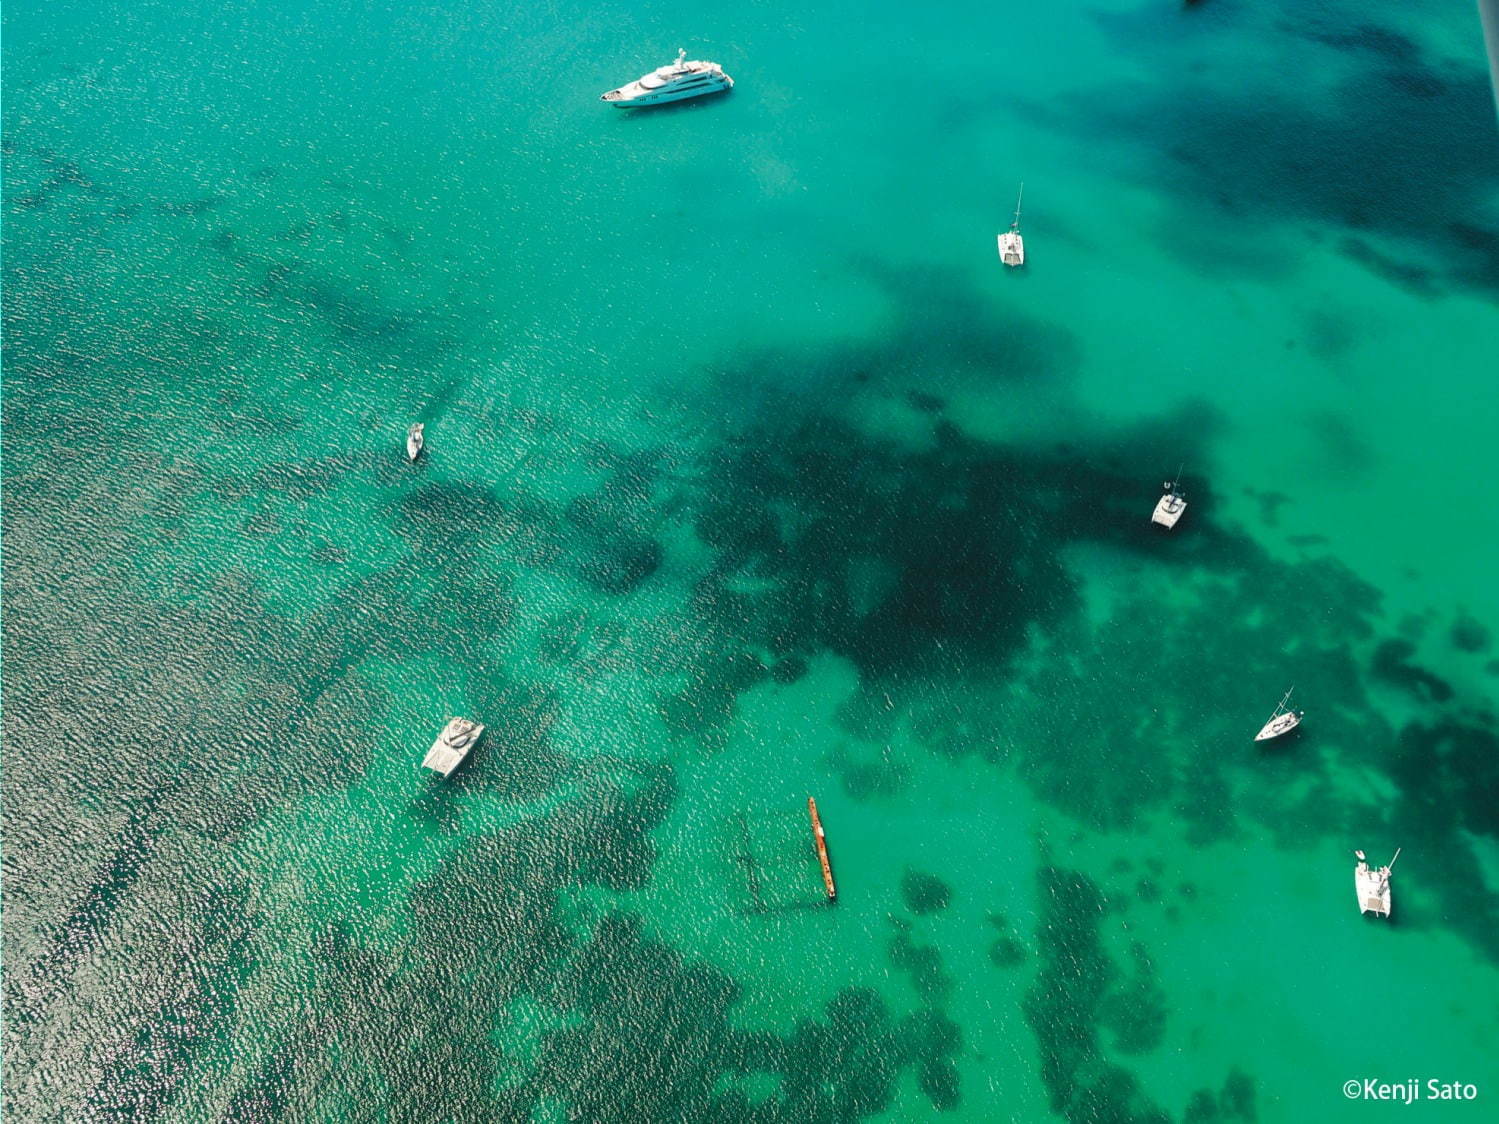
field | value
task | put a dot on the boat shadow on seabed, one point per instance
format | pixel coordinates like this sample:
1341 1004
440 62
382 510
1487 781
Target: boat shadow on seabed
775 867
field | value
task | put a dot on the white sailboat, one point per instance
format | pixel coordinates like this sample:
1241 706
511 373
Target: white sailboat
1169 508
414 441
1283 721
1011 245
1373 886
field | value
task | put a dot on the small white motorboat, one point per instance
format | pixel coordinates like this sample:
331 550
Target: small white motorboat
452 745
414 441
1011 245
1169 509
1373 886
1283 721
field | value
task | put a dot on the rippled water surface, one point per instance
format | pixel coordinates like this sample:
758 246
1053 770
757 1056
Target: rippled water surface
751 475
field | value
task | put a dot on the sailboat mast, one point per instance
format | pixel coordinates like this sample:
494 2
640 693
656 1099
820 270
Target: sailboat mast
1281 706
1016 224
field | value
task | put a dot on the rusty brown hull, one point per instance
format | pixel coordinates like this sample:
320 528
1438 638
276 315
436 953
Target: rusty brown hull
822 850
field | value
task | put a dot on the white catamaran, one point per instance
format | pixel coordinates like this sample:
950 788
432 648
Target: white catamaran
1283 721
1373 886
1011 245
1169 509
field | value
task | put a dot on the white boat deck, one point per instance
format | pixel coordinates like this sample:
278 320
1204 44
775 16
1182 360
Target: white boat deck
1012 248
1373 890
1011 245
1280 724
1168 511
445 755
1372 886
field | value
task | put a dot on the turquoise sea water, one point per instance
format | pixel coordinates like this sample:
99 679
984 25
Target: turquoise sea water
751 476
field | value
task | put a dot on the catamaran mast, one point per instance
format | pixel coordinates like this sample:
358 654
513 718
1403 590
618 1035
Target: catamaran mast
1016 224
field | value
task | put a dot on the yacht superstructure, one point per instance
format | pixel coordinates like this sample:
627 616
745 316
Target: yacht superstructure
685 78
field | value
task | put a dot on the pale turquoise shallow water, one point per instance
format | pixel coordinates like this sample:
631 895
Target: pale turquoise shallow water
751 475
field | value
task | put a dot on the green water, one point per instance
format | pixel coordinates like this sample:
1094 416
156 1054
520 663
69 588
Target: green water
751 475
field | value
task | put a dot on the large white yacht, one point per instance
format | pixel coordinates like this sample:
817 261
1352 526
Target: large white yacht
685 78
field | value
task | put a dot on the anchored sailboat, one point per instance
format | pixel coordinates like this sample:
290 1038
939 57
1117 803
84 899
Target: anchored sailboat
1011 245
1373 886
414 441
1169 508
1283 721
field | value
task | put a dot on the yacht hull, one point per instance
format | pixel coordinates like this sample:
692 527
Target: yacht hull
661 97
